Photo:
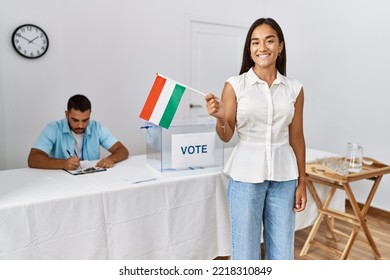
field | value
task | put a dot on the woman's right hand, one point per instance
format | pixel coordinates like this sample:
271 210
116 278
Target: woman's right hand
215 107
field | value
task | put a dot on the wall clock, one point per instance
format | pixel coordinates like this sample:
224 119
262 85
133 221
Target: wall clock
30 41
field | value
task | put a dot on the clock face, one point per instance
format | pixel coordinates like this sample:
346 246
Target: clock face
30 41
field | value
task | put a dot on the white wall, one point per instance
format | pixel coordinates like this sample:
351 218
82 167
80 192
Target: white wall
110 51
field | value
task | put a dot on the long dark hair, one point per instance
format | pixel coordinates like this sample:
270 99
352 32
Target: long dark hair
247 62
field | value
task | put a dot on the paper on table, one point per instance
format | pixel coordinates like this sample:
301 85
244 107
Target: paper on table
84 164
139 175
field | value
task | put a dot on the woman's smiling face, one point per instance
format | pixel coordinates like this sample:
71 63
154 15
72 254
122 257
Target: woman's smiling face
265 46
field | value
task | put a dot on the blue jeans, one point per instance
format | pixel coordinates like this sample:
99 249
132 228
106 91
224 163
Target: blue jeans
254 205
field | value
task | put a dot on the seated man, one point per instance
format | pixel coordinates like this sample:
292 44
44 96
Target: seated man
62 144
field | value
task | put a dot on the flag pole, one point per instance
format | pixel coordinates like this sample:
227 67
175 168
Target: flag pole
190 88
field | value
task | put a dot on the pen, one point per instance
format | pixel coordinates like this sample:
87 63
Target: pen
69 153
144 180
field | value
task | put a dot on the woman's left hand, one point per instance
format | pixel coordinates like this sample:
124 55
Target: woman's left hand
300 197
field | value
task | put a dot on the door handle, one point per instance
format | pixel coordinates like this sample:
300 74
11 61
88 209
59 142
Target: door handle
195 105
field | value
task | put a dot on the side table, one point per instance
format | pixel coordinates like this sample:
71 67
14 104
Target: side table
318 173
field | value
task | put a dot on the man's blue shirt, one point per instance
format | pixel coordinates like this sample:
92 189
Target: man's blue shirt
57 138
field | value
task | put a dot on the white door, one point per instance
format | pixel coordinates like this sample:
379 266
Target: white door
214 54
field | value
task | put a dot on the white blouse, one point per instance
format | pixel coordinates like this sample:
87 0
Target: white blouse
263 117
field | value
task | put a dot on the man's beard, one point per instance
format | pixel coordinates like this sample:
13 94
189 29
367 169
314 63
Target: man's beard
79 130
76 130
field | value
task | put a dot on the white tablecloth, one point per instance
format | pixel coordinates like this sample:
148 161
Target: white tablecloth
50 214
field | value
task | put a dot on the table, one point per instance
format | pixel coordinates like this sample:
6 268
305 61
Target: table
319 174
50 214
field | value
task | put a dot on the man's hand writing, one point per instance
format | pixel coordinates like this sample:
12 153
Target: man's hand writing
72 163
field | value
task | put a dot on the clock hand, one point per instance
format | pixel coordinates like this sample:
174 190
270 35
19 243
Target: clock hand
33 39
24 38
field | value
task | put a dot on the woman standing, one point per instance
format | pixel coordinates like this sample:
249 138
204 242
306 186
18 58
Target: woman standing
267 182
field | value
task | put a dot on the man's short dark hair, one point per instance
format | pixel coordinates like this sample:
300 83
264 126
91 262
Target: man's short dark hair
79 102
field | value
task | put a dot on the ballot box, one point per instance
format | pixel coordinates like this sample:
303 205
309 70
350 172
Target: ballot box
188 145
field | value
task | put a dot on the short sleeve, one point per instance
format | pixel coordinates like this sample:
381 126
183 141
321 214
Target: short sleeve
233 81
106 139
46 139
296 87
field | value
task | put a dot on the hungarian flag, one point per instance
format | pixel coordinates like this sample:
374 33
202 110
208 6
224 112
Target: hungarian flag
162 102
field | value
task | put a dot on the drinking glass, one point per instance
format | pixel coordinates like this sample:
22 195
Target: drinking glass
354 157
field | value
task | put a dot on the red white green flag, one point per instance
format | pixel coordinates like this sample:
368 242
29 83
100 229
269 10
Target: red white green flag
163 101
